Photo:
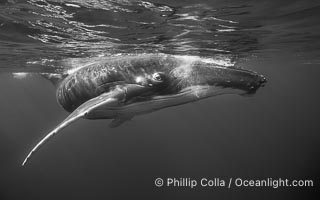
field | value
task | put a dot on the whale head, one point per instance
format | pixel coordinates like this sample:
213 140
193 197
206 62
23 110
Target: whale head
187 79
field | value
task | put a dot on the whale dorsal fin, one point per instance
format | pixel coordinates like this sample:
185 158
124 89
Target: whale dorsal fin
81 111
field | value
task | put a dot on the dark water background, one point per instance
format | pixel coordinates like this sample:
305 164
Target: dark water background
273 134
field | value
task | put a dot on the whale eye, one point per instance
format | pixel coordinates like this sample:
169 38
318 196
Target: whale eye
158 77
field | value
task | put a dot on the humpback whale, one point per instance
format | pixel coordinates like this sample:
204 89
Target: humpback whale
123 86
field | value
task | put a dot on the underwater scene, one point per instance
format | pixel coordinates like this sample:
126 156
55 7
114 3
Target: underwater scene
159 99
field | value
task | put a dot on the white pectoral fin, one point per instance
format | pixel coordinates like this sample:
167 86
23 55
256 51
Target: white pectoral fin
81 111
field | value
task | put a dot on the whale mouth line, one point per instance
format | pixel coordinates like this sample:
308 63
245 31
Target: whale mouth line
200 92
190 94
